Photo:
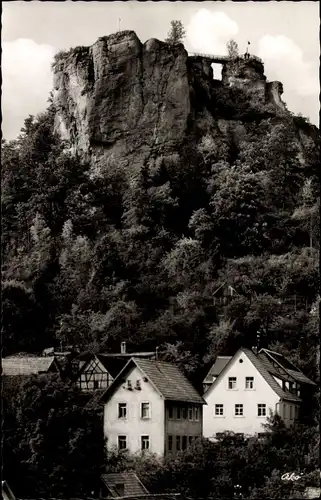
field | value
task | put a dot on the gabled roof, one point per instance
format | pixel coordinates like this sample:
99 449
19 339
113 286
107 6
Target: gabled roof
28 365
130 481
113 363
166 378
286 366
263 369
217 367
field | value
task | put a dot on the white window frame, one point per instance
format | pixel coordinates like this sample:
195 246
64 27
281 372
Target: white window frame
249 381
149 410
190 413
261 410
118 441
178 412
124 407
142 438
196 414
218 410
239 406
234 380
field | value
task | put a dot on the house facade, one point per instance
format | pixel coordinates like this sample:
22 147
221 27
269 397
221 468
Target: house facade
152 407
248 389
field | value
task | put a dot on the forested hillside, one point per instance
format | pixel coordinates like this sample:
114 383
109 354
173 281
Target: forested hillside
91 260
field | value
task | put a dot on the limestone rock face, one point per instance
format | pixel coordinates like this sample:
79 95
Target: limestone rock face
124 103
123 99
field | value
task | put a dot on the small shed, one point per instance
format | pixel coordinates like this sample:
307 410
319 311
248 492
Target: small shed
26 365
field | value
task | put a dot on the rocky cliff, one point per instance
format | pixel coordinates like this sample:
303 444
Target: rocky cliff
126 102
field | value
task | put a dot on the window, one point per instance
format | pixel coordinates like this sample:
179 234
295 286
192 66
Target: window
196 413
178 443
170 443
170 413
178 413
138 386
218 410
120 488
184 413
249 382
184 442
96 384
190 413
145 443
122 410
129 385
239 410
190 440
232 382
296 411
261 410
145 411
122 442
291 412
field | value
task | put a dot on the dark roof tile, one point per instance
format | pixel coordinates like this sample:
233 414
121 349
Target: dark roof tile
170 381
167 379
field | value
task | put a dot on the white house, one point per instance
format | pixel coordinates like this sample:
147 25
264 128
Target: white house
151 406
246 387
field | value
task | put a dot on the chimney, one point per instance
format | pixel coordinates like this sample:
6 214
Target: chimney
254 349
123 348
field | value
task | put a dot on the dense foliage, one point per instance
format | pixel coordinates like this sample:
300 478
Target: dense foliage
49 436
92 258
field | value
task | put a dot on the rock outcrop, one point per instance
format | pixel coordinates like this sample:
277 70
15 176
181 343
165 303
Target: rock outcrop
122 98
125 102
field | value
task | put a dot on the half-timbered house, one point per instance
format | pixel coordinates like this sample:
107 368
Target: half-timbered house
97 371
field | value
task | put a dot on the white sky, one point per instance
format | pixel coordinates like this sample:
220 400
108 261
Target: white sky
285 34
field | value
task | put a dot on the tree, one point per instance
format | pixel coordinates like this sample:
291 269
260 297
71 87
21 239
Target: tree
176 34
53 442
233 49
20 319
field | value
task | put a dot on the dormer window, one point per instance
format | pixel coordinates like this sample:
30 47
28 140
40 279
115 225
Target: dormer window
120 487
129 385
